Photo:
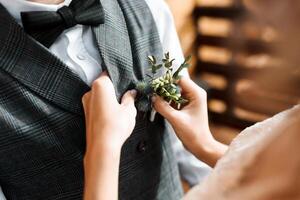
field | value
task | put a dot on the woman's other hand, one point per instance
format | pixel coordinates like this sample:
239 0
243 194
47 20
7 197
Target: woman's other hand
108 122
191 123
108 125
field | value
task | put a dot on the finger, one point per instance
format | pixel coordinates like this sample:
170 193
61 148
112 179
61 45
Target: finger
86 101
190 89
104 73
102 82
129 97
128 103
86 108
164 108
103 88
187 85
131 110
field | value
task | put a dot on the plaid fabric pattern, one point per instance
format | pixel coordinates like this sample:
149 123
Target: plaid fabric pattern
42 135
41 146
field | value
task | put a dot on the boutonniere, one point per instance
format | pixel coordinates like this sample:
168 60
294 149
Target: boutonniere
165 85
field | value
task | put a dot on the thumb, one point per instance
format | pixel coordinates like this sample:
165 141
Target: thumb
129 97
188 87
164 108
128 102
191 90
103 88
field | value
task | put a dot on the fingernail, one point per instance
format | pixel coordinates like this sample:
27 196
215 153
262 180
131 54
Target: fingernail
104 73
153 98
133 92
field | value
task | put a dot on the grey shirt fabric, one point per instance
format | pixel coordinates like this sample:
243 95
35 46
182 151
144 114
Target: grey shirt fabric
42 140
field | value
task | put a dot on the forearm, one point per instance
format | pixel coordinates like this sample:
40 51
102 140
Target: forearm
207 149
212 153
101 174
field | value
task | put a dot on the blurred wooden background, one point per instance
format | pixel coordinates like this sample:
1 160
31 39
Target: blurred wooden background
236 61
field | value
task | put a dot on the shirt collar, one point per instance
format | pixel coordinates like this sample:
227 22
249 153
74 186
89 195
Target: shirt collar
15 7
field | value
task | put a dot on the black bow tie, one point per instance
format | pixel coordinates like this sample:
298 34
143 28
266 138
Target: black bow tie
46 26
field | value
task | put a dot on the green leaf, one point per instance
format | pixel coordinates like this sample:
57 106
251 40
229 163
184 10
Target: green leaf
152 60
167 55
165 85
185 64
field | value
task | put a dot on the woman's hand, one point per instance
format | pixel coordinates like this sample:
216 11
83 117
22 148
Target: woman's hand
107 121
108 125
191 123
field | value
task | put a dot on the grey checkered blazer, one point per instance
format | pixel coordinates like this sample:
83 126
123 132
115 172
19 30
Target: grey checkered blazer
42 133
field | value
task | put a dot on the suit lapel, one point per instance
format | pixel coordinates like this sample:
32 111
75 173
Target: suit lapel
114 47
36 68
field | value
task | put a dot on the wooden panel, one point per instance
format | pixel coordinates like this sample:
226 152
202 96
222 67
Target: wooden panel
235 57
221 12
239 62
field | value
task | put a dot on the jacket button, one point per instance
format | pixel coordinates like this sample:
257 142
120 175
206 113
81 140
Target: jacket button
142 146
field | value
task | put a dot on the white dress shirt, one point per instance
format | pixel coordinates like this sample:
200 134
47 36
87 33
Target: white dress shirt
76 48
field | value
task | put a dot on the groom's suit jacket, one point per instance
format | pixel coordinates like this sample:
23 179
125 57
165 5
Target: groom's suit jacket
42 132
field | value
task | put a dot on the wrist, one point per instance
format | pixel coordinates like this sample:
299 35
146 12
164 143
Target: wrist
210 150
101 167
103 148
105 139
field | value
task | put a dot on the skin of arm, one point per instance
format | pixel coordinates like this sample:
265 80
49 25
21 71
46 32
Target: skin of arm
191 123
105 136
